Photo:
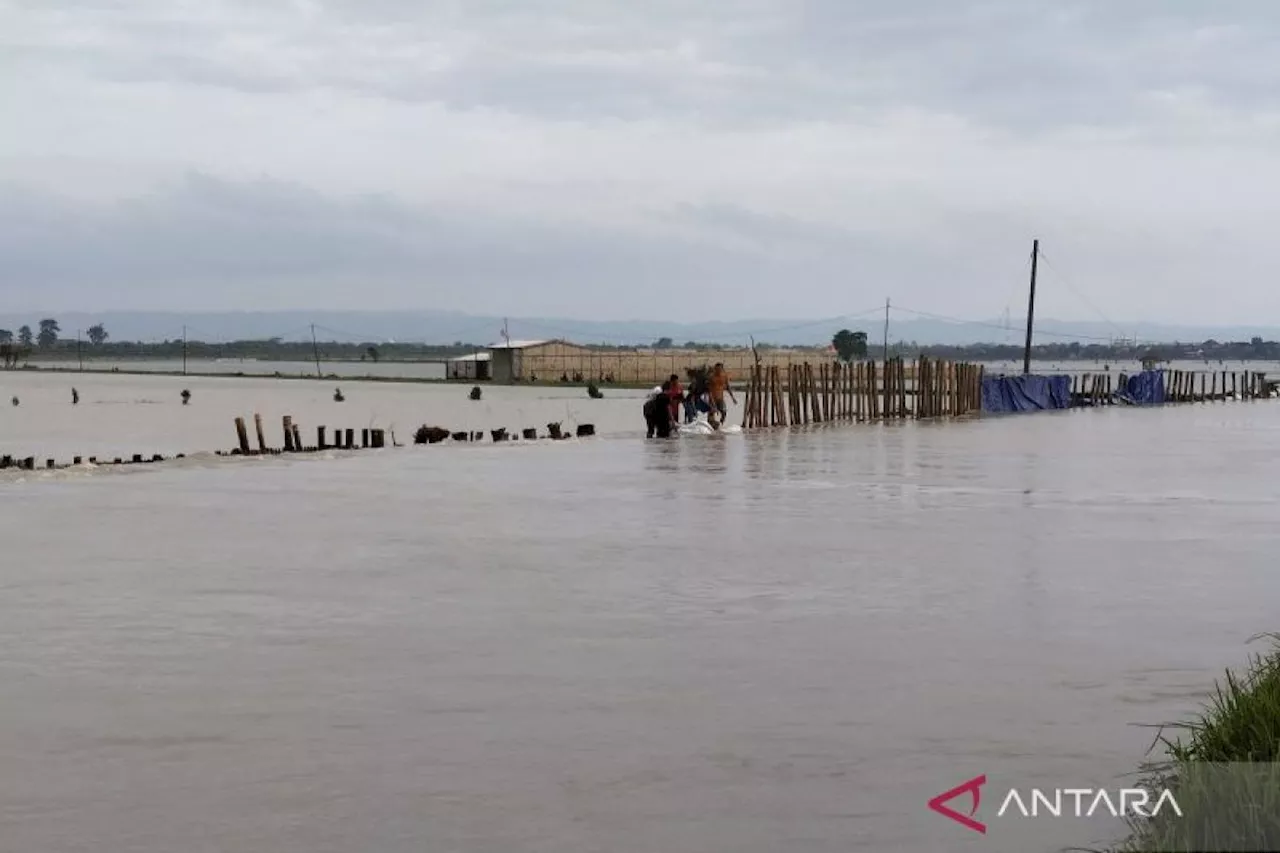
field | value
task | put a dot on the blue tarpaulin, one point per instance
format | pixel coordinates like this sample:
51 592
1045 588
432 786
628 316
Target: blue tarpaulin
1025 393
1143 389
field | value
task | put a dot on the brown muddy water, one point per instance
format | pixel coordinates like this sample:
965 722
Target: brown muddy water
783 641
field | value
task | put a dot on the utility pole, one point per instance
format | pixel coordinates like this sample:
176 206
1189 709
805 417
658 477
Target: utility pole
79 352
886 330
315 350
506 335
1031 308
184 350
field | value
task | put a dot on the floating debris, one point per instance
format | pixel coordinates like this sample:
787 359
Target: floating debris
475 392
186 396
430 434
337 395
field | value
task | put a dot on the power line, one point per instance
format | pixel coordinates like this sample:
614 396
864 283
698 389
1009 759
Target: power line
1067 281
984 324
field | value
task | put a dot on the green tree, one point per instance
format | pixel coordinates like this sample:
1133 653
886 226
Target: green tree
98 334
372 352
850 346
663 343
6 336
24 336
48 333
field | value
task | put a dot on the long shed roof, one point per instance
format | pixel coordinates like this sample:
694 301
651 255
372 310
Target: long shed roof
518 344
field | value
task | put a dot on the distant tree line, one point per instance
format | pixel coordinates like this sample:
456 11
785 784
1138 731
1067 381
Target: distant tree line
849 345
47 343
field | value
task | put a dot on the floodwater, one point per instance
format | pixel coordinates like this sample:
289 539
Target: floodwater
780 641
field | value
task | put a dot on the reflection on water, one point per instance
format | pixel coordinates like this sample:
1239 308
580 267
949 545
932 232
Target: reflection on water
787 640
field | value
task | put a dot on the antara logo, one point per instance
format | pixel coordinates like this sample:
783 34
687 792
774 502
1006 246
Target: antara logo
974 788
1072 802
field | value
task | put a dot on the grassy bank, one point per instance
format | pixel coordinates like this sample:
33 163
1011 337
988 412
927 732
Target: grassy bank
1222 769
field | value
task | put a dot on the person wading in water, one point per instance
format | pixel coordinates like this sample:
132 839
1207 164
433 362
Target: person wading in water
718 384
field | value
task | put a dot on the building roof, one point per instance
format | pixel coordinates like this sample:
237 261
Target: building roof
519 344
475 356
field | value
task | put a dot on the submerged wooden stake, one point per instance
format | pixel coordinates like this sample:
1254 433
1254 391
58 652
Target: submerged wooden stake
241 433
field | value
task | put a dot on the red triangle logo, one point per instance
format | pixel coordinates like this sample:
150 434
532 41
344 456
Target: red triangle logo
972 787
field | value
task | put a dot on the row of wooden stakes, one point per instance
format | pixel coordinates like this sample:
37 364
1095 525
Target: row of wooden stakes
342 440
1181 386
28 463
374 438
861 391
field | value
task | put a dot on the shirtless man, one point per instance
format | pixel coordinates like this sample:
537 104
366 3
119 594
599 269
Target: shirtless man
719 385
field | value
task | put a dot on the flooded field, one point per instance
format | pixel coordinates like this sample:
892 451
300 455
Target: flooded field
787 640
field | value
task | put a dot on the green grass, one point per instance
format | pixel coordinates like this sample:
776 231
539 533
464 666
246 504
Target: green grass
1223 766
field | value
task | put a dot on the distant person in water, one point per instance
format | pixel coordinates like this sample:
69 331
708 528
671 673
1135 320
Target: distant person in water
75 397
657 414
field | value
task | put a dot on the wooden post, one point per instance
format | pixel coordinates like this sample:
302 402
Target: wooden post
902 387
297 437
351 439
927 388
921 409
289 446
820 386
1031 308
815 407
849 413
775 379
833 391
320 438
262 439
243 435
364 437
791 394
873 389
886 389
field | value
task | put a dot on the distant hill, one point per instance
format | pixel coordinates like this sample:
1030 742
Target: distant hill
438 327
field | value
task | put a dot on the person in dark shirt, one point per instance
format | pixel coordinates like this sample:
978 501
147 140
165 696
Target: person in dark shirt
657 414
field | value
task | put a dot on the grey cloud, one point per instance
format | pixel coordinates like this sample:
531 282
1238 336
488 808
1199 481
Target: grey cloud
212 243
1017 64
823 76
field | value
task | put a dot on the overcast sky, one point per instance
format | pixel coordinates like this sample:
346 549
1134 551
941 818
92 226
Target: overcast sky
649 158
